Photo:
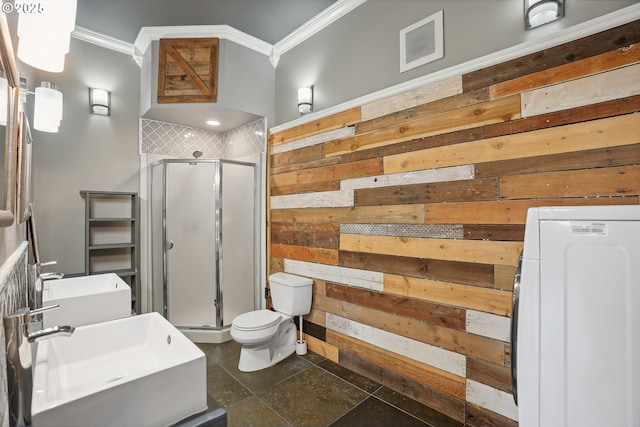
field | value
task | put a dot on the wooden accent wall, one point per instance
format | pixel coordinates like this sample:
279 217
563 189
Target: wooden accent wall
409 212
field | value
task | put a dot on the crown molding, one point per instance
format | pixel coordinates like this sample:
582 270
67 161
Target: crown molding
150 34
103 40
319 22
584 29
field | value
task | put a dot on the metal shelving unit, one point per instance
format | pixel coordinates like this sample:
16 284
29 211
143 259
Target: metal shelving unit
104 237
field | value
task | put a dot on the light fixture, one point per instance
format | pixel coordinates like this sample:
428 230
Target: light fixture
305 100
540 12
99 102
44 36
47 111
213 123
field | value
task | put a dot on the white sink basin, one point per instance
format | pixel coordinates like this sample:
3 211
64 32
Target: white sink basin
85 300
136 371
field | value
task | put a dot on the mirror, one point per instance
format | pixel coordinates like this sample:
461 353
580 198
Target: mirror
23 191
10 160
3 130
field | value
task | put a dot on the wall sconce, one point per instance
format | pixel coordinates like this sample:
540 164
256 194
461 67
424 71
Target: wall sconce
540 12
100 101
305 100
44 34
47 111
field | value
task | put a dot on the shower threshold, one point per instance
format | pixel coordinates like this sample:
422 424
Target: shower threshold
209 335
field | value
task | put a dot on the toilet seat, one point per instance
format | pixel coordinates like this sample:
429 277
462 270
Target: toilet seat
256 320
256 327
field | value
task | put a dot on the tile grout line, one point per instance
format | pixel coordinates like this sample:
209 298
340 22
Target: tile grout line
402 410
311 363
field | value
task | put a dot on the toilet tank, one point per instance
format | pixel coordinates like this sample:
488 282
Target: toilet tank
291 294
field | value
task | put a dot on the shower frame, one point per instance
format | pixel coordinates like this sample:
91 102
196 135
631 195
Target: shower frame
218 236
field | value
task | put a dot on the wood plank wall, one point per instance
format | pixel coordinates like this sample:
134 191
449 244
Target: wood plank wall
409 212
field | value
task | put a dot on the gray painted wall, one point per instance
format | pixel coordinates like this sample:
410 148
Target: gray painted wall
359 54
245 90
247 80
88 153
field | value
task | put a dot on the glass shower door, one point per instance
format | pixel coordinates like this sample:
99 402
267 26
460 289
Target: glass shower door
191 244
238 239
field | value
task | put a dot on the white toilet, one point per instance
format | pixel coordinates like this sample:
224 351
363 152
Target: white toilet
267 337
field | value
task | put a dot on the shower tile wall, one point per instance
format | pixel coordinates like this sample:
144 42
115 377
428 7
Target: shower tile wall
172 140
246 140
13 295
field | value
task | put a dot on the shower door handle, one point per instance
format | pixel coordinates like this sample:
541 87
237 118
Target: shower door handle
169 244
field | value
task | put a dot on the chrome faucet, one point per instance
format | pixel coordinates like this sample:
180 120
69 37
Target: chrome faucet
36 281
65 331
18 339
51 276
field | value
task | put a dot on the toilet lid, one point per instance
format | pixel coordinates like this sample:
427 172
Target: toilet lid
254 320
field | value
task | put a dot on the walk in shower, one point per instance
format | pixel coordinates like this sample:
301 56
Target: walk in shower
205 234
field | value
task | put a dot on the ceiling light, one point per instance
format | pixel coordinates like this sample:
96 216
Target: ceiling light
213 123
540 12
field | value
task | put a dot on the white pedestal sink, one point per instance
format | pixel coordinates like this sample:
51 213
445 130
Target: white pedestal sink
136 371
85 300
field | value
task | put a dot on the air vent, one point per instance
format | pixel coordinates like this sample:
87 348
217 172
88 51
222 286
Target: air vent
422 42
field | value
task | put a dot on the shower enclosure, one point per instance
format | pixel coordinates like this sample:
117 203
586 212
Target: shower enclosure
205 233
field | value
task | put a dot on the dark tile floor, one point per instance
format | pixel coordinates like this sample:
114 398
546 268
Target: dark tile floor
309 391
